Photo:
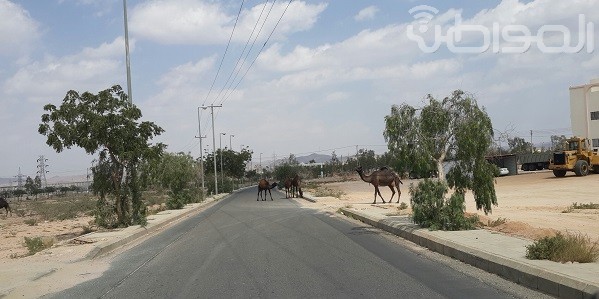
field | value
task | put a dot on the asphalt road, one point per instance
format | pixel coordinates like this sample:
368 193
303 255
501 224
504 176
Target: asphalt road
243 248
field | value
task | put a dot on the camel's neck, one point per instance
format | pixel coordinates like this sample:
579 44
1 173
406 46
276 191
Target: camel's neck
365 178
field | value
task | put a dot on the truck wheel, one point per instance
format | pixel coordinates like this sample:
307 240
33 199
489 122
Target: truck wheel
559 173
581 168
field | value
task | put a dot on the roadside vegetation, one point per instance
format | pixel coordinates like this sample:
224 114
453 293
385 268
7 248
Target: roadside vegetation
581 206
424 139
564 248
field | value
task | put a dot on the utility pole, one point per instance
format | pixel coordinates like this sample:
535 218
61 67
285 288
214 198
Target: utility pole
201 151
213 145
222 173
42 170
128 61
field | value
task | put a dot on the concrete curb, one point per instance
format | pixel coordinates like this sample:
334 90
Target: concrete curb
106 247
530 276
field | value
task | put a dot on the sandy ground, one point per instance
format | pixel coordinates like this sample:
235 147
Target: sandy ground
533 205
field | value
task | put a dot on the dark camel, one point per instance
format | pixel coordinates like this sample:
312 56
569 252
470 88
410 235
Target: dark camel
296 187
287 187
382 177
263 185
4 204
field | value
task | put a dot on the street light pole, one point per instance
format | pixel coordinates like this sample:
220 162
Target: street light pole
260 162
128 61
213 146
230 144
222 174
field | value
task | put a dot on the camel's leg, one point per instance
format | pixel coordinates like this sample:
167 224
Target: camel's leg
392 193
379 193
374 196
259 191
398 194
269 194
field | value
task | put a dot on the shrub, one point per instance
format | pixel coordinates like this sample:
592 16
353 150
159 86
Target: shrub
564 248
38 244
30 222
499 221
403 206
105 214
430 208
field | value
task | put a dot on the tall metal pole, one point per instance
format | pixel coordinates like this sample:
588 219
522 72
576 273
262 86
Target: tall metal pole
213 146
128 61
230 144
260 162
222 173
201 150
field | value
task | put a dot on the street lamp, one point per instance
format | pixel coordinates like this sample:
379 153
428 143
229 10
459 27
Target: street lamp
222 175
260 162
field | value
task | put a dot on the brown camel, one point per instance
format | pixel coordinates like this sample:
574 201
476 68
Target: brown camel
287 187
382 177
263 185
296 187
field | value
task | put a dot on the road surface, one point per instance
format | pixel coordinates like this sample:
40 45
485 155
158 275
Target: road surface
243 248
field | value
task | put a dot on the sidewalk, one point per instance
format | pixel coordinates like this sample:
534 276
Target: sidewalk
493 252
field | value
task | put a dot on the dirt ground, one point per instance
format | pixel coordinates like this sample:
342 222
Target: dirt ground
530 205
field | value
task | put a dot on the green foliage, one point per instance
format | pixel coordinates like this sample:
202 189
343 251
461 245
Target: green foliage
106 124
37 244
564 248
585 206
518 145
403 206
430 208
455 129
233 163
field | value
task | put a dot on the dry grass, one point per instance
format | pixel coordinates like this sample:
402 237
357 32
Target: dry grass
565 248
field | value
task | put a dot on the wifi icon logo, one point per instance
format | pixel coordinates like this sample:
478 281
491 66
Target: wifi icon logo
424 14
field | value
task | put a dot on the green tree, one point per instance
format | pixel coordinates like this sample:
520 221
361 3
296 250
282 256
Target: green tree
455 129
518 145
106 124
29 185
558 142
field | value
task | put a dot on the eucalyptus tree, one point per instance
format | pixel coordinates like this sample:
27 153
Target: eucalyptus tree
453 131
108 125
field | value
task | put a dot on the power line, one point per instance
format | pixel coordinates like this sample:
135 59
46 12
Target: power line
259 52
235 70
225 54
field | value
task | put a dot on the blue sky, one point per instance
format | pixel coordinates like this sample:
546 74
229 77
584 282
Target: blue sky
325 80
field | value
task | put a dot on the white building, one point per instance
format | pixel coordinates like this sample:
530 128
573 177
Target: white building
584 111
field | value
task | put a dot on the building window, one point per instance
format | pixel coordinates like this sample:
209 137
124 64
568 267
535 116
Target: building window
595 142
595 115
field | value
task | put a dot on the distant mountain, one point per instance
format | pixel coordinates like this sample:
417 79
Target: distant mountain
318 158
5 181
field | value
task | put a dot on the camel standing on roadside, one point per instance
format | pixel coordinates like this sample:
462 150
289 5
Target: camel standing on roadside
287 187
263 185
382 177
4 204
296 187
